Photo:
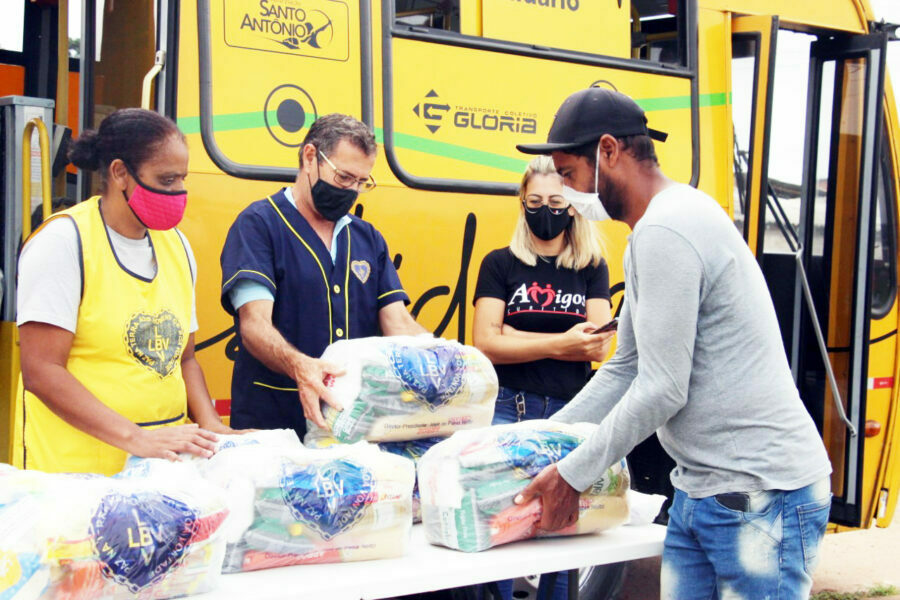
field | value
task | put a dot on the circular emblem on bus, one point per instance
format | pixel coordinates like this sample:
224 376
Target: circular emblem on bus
288 113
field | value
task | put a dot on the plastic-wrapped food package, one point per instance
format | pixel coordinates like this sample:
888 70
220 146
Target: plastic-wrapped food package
402 388
468 482
270 438
23 573
303 506
153 535
413 450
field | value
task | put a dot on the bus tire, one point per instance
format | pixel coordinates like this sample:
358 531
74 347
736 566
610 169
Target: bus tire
599 582
602 582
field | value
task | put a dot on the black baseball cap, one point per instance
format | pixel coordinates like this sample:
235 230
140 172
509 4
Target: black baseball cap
588 114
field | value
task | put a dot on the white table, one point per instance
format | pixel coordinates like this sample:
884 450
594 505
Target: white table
426 567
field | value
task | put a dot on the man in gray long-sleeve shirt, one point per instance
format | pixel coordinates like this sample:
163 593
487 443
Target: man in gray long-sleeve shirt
699 361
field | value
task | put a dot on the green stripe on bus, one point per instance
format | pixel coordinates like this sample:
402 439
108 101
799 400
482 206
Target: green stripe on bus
228 122
463 153
255 120
682 102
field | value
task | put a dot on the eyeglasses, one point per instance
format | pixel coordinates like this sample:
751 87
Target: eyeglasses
346 180
556 203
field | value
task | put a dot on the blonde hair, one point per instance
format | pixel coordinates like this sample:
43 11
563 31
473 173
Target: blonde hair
581 245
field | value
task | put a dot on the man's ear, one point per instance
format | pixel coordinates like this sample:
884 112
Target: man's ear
309 156
117 175
609 150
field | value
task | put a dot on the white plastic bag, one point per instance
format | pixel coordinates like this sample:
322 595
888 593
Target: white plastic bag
153 533
303 506
23 572
401 388
468 482
413 450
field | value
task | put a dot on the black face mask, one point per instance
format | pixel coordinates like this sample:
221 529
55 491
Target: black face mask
544 224
331 201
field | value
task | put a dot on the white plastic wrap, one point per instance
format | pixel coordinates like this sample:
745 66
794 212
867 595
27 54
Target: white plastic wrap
413 450
152 533
401 388
468 482
303 506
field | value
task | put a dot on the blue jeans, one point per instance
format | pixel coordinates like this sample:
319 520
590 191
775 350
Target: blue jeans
766 552
514 406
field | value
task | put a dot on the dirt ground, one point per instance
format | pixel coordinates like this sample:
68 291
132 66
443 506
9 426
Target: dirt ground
860 560
850 562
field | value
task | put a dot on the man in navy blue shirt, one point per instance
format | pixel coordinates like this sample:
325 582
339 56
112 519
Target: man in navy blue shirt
299 272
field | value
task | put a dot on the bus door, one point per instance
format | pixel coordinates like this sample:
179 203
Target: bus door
846 169
753 45
824 230
127 60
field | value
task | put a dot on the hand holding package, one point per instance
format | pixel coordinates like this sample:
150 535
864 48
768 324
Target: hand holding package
468 482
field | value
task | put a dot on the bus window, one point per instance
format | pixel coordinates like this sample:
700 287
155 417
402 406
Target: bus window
436 14
745 55
788 123
831 237
884 267
11 35
561 24
125 46
649 30
657 28
268 71
457 103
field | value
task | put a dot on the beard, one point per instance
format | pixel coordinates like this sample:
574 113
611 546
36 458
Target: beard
612 197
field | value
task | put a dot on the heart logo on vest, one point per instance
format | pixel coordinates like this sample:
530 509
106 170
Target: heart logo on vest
139 538
329 497
433 375
155 341
528 452
361 269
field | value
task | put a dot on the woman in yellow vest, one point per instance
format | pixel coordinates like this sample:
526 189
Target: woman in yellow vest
106 313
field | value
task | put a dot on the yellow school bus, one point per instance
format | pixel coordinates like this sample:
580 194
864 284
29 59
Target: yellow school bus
779 110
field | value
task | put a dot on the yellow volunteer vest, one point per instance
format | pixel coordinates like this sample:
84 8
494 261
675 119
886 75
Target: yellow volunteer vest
127 348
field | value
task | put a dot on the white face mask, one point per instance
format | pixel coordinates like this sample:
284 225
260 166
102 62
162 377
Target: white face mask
587 203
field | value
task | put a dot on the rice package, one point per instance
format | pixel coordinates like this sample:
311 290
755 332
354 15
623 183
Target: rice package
89 537
293 506
401 388
468 482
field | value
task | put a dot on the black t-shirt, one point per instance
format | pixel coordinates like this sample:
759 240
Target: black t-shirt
543 299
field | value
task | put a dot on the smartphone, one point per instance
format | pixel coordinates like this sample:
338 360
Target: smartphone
738 501
611 326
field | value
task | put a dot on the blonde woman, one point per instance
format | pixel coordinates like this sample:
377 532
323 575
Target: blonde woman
539 300
538 303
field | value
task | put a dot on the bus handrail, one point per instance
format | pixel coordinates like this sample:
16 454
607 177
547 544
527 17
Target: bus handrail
823 349
46 175
158 64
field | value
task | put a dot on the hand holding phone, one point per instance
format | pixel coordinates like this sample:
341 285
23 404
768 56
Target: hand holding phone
611 326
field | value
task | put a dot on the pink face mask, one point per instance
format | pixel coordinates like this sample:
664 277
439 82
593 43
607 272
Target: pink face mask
156 209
